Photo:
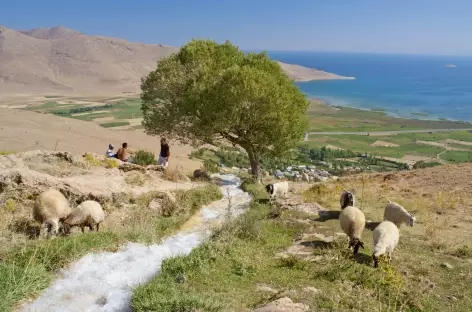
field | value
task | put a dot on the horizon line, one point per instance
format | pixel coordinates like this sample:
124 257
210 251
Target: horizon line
270 50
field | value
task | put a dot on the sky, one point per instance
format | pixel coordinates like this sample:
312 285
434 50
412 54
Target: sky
413 26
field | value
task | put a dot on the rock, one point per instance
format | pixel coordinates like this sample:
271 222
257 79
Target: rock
155 205
126 167
311 290
155 168
447 266
452 298
170 197
283 305
268 289
200 174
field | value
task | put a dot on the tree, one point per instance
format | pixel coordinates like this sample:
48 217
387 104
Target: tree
208 92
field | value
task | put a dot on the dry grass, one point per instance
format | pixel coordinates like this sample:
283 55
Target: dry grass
175 175
136 178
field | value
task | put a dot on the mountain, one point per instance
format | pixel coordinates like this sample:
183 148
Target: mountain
63 60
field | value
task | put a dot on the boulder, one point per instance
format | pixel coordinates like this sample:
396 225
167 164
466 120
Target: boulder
283 305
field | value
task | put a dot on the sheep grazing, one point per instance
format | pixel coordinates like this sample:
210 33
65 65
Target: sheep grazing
276 189
398 215
352 221
87 214
347 199
50 208
386 236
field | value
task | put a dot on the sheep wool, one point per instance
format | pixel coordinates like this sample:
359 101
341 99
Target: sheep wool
50 207
88 214
347 199
352 221
277 189
386 236
398 215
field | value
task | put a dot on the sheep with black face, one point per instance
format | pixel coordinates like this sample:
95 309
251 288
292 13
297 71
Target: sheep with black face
346 199
277 189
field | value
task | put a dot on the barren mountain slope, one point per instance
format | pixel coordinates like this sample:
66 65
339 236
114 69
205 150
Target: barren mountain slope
25 131
61 59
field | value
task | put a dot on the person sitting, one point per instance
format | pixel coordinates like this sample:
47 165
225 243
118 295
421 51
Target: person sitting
110 152
163 159
122 153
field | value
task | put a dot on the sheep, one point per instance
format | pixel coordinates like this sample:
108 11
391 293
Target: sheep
352 221
398 215
275 189
347 199
89 213
386 236
50 208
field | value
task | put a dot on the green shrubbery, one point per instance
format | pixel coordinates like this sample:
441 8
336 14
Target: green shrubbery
144 158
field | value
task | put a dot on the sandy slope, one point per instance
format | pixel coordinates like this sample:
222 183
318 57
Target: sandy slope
23 131
60 59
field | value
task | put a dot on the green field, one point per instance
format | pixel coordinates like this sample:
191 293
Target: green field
404 146
345 119
118 112
407 144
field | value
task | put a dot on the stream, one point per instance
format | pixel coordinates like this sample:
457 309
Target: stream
104 281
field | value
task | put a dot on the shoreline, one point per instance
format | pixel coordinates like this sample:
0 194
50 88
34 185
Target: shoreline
383 111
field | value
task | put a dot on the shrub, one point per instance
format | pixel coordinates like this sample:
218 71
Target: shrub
210 165
10 205
110 163
144 158
174 175
91 160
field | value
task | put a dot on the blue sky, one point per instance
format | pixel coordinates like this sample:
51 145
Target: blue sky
414 26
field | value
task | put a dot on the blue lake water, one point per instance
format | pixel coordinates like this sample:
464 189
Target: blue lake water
402 85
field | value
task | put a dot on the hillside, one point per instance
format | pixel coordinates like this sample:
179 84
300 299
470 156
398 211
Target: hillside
25 131
61 59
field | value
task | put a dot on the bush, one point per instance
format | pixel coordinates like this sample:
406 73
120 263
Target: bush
422 164
210 165
110 162
144 158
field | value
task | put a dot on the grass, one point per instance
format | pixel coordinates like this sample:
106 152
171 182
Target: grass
407 144
344 119
114 124
5 153
28 269
225 274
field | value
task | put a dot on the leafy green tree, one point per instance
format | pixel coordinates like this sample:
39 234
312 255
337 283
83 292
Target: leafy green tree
209 92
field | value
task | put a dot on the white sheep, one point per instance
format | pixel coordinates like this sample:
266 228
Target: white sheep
88 214
398 215
276 189
49 208
352 221
386 236
347 199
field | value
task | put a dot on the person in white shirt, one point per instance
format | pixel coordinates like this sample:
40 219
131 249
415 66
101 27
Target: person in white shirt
110 152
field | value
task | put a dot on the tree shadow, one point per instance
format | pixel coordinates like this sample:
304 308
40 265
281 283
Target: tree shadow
27 227
326 215
371 225
317 244
263 201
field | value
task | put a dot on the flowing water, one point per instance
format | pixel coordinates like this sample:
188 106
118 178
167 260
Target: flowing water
104 281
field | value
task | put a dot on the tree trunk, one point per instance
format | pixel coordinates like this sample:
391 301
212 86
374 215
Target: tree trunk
253 159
